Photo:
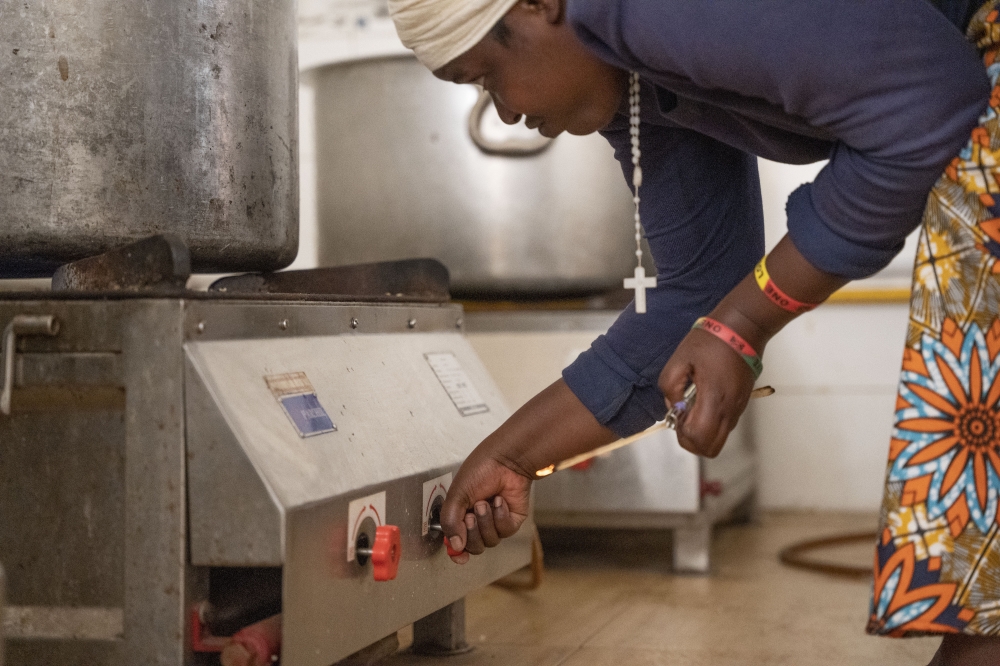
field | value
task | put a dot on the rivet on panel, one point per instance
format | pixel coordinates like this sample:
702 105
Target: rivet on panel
354 322
459 322
283 324
201 327
412 323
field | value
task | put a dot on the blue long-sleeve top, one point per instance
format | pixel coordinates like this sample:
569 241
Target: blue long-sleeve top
887 90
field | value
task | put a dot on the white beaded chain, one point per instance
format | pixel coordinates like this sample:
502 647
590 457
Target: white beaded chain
640 282
633 130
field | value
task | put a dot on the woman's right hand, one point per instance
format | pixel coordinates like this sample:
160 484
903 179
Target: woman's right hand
488 501
490 496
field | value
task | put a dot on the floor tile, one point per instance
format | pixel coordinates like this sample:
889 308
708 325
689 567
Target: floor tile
909 653
753 609
569 608
490 653
618 603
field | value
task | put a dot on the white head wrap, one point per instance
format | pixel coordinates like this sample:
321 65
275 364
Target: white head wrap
439 31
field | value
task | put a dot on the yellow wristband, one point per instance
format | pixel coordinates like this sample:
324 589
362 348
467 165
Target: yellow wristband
776 295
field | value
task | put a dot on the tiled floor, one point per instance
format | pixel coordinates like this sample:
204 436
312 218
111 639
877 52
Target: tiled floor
602 605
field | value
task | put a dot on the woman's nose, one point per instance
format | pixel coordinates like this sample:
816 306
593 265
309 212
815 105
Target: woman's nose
505 114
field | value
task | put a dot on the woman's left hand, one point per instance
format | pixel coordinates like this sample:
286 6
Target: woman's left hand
724 384
723 378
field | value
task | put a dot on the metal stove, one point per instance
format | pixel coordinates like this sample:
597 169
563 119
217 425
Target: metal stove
177 466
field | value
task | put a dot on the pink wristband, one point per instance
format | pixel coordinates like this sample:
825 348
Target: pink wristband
735 342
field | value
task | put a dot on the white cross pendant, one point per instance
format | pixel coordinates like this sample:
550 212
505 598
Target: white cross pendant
640 283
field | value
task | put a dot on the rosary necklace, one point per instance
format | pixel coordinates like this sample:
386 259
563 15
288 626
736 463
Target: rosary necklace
640 282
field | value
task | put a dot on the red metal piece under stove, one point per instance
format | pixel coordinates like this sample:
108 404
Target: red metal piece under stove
256 645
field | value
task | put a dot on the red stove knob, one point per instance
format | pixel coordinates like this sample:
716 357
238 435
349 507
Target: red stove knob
451 551
386 552
436 527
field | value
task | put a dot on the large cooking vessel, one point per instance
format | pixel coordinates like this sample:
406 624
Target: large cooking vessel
119 120
409 165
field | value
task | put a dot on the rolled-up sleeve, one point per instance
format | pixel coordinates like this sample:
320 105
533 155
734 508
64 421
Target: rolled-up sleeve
892 81
704 222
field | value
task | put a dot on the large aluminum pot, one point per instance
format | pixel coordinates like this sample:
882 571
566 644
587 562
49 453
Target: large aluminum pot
119 120
400 174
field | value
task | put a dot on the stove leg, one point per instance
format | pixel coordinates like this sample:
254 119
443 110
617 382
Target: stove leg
442 633
691 547
1 612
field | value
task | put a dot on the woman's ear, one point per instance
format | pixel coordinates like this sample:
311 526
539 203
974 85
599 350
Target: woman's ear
552 10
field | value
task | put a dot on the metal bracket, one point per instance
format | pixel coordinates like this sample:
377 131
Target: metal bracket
416 280
159 263
22 325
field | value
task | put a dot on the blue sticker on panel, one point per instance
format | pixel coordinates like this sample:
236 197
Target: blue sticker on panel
298 398
307 414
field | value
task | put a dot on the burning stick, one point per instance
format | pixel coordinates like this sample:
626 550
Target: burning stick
669 422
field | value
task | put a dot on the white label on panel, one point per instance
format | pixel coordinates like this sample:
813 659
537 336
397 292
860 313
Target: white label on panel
454 380
432 490
372 507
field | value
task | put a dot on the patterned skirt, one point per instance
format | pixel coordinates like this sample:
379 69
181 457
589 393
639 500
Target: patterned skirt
937 563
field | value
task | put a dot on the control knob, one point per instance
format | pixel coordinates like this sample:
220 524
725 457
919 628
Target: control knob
436 527
384 553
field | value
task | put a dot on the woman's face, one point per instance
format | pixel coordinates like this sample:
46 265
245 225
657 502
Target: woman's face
542 71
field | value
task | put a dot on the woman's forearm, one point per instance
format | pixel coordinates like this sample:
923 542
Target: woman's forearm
549 428
754 316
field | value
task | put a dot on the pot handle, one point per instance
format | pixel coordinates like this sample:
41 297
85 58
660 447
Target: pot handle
507 148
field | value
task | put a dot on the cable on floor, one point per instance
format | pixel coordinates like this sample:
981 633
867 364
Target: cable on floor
795 555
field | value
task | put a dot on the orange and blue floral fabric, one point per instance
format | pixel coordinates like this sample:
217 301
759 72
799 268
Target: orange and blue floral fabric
937 563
